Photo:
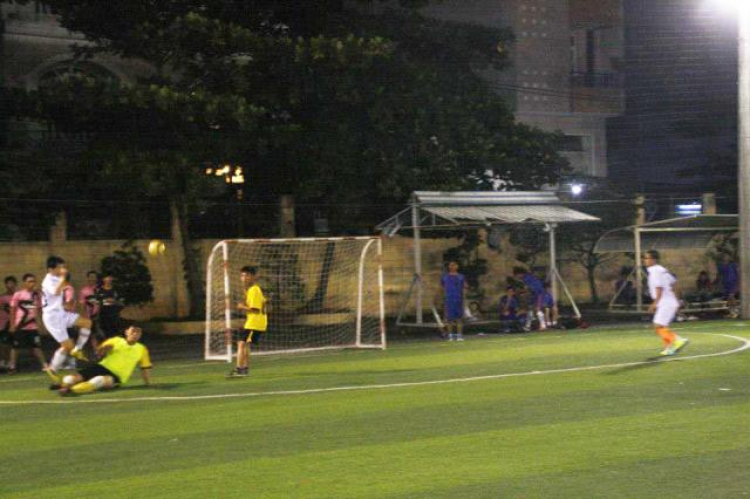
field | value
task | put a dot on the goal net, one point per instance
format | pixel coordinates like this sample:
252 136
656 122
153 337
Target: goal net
322 294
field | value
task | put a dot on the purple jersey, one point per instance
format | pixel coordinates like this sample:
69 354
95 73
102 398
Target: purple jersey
454 285
535 285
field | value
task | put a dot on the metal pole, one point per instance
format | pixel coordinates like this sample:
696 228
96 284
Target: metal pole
744 156
552 260
417 262
638 272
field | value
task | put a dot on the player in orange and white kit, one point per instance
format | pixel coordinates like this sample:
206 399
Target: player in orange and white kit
665 305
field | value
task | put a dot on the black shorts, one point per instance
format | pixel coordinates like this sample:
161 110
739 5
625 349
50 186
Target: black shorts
26 338
5 337
248 336
94 370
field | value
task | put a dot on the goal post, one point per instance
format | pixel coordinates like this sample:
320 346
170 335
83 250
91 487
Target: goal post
323 293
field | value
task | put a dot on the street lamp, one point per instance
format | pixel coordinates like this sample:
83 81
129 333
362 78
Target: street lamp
233 175
741 8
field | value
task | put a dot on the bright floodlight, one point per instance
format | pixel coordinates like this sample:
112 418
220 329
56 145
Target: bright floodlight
576 189
730 5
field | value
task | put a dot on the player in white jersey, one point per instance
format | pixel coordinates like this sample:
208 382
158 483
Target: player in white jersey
665 305
57 320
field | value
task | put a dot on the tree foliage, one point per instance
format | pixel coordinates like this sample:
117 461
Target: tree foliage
333 102
132 275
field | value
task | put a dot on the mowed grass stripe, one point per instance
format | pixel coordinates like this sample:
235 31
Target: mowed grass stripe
419 414
420 465
488 360
684 478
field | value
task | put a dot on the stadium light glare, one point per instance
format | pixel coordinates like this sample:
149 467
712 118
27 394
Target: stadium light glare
731 5
576 189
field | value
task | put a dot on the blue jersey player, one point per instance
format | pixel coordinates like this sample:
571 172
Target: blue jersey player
535 288
453 285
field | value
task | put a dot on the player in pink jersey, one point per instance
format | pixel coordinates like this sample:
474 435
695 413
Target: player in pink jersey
25 322
5 298
88 299
87 295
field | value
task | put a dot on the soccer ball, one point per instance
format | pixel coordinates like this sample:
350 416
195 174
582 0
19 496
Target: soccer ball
156 248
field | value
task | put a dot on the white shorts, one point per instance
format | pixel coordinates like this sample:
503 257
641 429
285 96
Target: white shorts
57 323
665 313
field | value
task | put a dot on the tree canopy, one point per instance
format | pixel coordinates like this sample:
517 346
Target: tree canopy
331 103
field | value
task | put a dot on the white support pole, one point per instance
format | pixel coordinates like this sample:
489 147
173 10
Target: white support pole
381 293
638 271
209 296
361 291
417 262
553 260
744 155
227 302
567 292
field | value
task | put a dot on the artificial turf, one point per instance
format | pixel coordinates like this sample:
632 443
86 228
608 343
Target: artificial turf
659 429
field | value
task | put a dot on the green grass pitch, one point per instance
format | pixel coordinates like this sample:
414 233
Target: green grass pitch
558 414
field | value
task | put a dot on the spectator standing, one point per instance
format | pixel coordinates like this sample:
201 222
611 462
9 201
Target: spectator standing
5 339
110 306
730 279
453 285
25 323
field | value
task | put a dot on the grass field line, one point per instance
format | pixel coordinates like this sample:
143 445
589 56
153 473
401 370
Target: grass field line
745 346
412 344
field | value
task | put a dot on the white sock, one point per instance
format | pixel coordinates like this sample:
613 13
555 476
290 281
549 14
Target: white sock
83 337
58 359
98 382
540 316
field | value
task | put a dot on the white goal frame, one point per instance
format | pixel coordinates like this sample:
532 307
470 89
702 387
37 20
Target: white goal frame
228 355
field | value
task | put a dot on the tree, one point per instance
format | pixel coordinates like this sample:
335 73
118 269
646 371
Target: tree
614 209
132 275
332 104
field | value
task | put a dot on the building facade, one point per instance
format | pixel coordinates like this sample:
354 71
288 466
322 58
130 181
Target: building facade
566 67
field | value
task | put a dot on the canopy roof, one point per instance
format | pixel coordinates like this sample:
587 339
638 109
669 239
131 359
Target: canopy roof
695 231
457 209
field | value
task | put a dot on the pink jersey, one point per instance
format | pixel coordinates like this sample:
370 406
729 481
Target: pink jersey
69 296
4 310
27 305
87 297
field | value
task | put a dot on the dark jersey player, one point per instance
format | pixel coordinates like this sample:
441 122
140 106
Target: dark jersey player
453 285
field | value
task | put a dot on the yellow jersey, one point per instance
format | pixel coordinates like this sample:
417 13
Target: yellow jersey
123 357
257 320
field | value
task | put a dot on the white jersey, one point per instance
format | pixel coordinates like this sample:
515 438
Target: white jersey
659 277
51 302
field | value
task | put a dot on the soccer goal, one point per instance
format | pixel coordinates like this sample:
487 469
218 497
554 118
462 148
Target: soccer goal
323 293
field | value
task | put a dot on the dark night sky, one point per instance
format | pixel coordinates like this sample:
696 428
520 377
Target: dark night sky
681 97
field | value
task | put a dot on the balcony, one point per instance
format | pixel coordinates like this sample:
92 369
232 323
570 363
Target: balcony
596 80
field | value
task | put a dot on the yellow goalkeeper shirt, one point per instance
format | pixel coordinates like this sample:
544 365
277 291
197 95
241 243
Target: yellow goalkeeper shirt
123 357
257 320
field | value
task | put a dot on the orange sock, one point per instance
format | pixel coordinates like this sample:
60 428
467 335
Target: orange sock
667 336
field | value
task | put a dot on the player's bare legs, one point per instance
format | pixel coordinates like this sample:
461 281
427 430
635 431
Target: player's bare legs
243 357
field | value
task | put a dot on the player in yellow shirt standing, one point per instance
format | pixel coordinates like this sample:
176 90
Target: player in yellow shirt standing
256 323
121 356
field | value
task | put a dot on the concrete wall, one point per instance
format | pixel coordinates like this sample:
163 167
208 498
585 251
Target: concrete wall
170 291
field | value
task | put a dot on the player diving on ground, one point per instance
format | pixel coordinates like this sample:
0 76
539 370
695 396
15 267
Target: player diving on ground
120 357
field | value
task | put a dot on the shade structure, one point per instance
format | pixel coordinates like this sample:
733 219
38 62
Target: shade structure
467 210
690 232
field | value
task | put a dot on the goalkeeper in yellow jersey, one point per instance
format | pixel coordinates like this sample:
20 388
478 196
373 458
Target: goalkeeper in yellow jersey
120 357
257 320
